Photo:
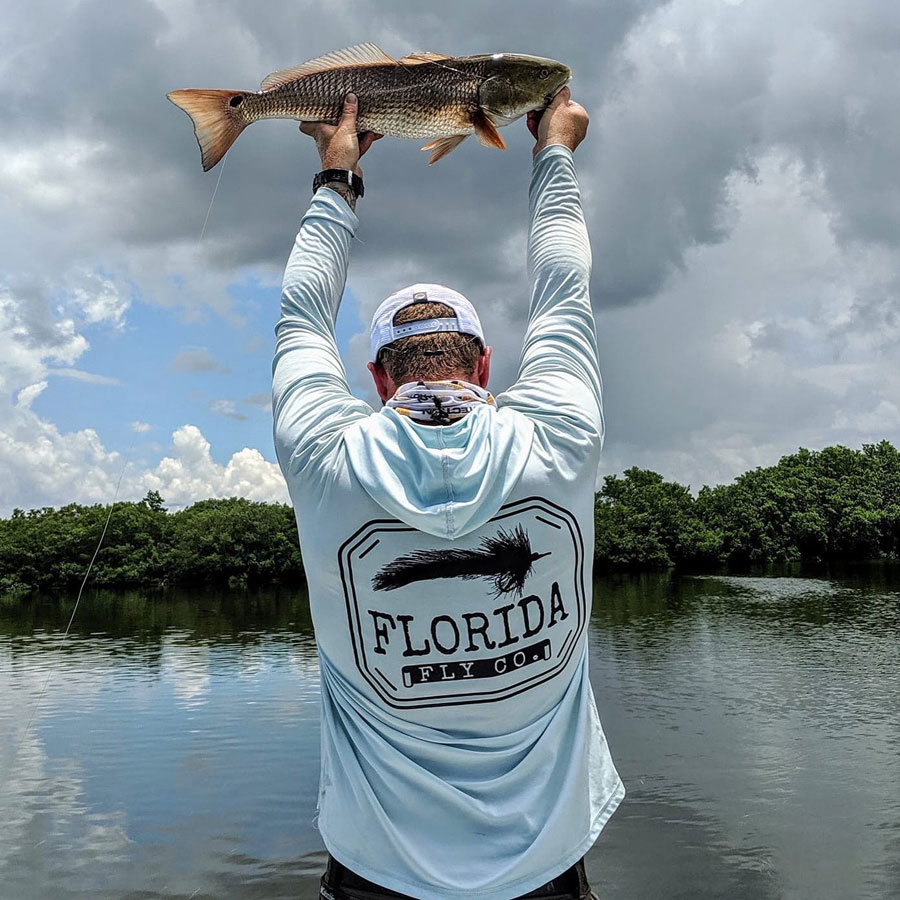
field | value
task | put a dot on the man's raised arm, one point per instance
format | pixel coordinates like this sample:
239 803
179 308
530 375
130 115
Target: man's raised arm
311 401
559 374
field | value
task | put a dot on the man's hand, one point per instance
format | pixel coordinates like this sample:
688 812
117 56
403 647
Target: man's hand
563 122
339 145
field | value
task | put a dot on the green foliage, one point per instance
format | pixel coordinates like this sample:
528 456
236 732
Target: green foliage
832 504
216 541
643 521
235 540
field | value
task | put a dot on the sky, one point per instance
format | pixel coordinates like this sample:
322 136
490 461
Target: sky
739 179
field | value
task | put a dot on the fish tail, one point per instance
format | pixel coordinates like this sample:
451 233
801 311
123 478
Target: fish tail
217 120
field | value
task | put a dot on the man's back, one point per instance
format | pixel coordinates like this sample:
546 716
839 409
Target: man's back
449 579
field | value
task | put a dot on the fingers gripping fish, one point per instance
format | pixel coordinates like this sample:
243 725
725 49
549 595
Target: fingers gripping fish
423 95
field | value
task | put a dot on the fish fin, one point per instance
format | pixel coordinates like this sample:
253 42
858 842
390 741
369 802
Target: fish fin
350 57
422 56
487 130
442 146
215 124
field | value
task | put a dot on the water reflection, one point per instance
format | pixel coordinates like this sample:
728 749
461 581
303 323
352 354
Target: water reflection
221 616
175 754
765 709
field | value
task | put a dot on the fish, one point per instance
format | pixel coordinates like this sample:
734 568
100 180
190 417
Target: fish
423 95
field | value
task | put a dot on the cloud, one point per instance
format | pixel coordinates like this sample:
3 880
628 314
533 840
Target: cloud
66 467
102 301
32 336
38 464
226 408
738 177
773 358
198 360
191 474
87 377
261 401
28 394
42 465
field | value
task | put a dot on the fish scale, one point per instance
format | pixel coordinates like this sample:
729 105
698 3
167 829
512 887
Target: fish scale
420 96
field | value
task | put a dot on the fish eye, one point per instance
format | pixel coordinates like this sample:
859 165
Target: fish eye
544 73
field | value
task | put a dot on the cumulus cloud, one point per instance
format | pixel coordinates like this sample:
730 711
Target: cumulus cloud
38 464
42 465
71 467
190 473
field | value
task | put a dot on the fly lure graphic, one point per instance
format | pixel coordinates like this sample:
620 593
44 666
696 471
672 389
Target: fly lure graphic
506 560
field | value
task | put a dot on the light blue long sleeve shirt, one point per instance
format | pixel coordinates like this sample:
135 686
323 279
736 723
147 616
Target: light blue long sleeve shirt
449 581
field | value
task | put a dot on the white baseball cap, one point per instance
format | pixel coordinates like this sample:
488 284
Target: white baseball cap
384 331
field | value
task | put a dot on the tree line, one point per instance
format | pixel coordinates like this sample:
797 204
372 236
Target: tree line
833 504
235 542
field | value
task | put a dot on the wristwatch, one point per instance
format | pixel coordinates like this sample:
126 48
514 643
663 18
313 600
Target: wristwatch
343 176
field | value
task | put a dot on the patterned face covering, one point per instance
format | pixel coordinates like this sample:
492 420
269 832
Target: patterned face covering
438 402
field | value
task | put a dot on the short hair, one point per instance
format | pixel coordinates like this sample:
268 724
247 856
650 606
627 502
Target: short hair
423 357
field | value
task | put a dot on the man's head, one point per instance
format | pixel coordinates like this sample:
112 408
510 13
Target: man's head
427 332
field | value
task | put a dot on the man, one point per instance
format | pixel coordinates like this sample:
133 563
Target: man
447 541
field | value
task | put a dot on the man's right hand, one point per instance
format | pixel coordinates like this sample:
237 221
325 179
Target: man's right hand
563 122
340 147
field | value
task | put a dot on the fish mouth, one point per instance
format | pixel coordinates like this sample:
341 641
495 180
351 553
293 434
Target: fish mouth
552 94
548 98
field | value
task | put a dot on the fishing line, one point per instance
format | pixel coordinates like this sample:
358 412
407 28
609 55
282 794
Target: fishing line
435 62
213 200
480 78
75 609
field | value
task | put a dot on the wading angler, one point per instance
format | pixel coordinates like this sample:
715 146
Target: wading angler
443 534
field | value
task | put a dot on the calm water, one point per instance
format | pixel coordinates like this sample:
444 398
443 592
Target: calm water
755 722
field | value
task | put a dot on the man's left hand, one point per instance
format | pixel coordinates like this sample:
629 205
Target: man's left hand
340 147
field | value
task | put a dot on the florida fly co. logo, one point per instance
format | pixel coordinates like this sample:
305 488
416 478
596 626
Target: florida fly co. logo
450 624
505 560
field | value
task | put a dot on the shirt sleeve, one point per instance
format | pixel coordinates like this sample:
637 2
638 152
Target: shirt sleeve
311 401
559 382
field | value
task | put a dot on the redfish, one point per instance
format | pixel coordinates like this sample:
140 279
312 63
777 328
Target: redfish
423 95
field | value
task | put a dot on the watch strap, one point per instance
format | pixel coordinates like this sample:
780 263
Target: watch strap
342 176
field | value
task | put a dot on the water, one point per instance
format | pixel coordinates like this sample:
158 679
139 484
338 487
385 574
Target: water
755 722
